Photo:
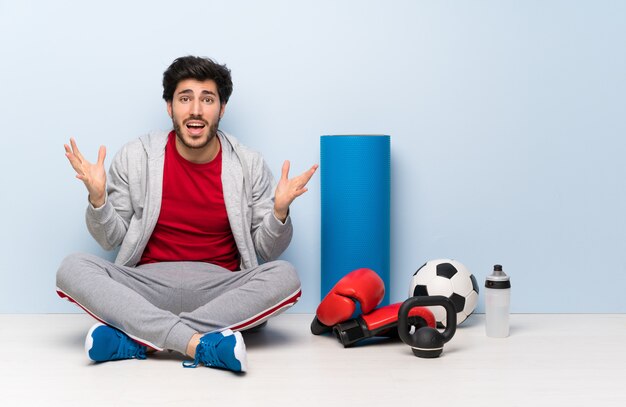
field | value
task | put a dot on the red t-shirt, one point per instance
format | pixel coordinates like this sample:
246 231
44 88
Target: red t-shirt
193 223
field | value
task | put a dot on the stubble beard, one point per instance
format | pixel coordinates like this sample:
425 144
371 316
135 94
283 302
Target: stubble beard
212 133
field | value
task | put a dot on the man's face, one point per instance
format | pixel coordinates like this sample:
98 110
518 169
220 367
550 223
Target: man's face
196 111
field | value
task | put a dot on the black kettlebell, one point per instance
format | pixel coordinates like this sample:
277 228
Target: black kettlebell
426 342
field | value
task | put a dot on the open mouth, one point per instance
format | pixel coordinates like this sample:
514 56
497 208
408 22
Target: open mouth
195 127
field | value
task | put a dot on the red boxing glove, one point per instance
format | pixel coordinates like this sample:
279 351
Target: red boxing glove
362 286
381 322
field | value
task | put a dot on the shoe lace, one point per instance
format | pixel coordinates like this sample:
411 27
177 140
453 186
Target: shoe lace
206 353
128 348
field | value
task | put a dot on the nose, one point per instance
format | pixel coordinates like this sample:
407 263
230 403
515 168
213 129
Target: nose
196 107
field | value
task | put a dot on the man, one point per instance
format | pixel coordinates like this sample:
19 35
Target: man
192 212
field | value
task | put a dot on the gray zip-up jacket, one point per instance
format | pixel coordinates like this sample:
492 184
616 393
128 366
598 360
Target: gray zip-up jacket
134 191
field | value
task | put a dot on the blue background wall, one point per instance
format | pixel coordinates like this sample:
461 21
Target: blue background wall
507 121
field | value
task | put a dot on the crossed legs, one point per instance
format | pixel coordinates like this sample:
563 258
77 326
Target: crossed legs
168 305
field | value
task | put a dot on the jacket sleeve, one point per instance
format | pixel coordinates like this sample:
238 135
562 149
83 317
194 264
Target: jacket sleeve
109 223
271 237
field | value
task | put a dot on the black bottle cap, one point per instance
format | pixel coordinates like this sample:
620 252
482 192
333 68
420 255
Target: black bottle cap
498 279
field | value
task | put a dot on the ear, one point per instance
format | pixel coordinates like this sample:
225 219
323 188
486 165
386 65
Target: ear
169 108
222 109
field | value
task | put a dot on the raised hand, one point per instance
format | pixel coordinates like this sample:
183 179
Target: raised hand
288 190
92 175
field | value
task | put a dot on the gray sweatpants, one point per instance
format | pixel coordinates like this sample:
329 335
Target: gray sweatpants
163 305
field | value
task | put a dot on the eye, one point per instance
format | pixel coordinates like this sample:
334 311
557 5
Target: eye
208 100
184 99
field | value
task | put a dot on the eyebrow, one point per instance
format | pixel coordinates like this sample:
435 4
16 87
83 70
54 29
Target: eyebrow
204 92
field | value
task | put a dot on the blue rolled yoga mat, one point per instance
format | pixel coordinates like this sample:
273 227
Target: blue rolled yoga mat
355 193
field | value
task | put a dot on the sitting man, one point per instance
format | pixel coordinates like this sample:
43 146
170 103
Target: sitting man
192 212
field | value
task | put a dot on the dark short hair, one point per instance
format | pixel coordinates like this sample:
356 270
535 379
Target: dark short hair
200 69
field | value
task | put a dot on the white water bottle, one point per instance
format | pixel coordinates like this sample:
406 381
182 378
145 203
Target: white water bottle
497 303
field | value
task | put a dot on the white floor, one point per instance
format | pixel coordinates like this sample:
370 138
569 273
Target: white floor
549 360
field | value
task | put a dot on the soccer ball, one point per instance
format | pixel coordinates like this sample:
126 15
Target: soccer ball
448 278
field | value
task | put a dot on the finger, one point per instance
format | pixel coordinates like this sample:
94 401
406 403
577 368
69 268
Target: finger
74 163
102 153
310 171
68 153
305 177
285 171
300 192
75 150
